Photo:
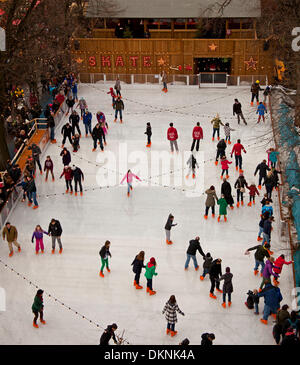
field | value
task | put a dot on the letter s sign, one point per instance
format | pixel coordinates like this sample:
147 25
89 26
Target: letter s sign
2 300
296 41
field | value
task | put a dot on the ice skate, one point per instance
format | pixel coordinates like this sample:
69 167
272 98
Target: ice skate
219 290
108 269
71 192
225 218
42 251
236 168
46 179
205 217
42 321
35 325
53 251
219 218
35 207
251 103
134 283
147 289
168 331
11 253
255 272
229 304
138 286
213 216
128 194
37 252
218 138
237 204
264 321
121 120
94 149
187 176
197 268
75 194
152 292
212 296
29 204
81 193
101 274
242 202
229 142
227 176
173 333
193 176
19 249
201 277
231 207
216 162
259 239
249 204
60 251
53 179
67 191
259 187
224 305
212 139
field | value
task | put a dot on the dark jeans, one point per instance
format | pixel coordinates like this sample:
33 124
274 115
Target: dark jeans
148 139
69 185
137 277
165 85
220 153
118 92
47 172
273 164
212 210
95 143
52 134
75 125
240 115
216 130
251 198
238 161
149 284
197 142
171 326
88 128
116 114
65 137
37 160
224 171
32 196
254 96
260 179
76 182
36 316
240 195
269 189
224 297
214 283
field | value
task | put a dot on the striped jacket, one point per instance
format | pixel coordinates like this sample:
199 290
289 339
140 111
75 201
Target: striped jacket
170 310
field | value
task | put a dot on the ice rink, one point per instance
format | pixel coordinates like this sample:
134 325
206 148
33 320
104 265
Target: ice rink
137 223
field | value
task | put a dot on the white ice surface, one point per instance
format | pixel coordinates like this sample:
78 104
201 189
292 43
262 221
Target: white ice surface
136 224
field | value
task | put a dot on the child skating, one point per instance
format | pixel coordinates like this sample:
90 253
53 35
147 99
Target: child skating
168 227
150 272
252 192
48 167
38 235
104 254
216 122
149 134
192 164
38 308
112 94
138 265
206 265
227 286
261 110
225 167
222 208
75 142
170 309
68 173
129 177
227 131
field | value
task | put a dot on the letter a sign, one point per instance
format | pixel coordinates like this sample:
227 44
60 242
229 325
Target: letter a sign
2 40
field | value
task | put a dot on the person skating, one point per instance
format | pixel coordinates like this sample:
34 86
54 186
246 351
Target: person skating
216 122
74 121
164 79
66 156
11 234
281 316
265 200
252 192
260 253
266 93
98 135
269 184
112 94
227 286
262 168
207 340
267 272
129 177
75 142
150 272
78 178
227 130
36 152
118 87
31 192
194 246
149 134
104 254
82 106
261 110
192 164
102 121
70 104
38 308
138 265
222 208
108 334
221 147
264 217
255 88
277 268
38 235
267 230
240 186
237 109
206 265
225 167
74 88
272 297
252 300
68 174
226 191
170 308
55 231
197 136
87 121
51 126
66 131
172 136
272 157
210 201
237 151
168 228
215 272
48 167
118 107
267 208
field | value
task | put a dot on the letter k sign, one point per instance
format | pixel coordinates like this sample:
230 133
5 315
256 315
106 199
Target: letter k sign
2 40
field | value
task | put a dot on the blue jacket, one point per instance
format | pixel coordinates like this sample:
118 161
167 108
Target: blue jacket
272 296
273 156
261 109
267 208
87 118
74 88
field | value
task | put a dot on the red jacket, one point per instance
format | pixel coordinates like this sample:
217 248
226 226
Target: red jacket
197 133
68 174
172 134
278 263
237 149
224 164
60 98
253 190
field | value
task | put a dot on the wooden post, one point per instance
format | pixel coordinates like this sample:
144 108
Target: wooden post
105 25
172 28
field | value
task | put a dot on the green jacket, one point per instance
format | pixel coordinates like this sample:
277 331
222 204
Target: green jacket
216 123
37 305
223 206
150 271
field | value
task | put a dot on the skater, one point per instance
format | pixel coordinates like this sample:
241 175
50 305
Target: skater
227 286
277 268
225 167
51 125
272 297
149 134
227 130
38 308
265 200
66 131
74 121
206 265
281 316
194 245
98 135
269 184
255 88
164 79
82 106
11 234
168 227
70 104
267 208
252 300
38 235
262 168
210 201
138 265
66 157
48 167
272 157
150 272
129 177
197 135
172 136
259 255
118 87
221 147
31 192
252 191
207 339
216 122
240 186
261 110
55 231
87 121
74 89
75 142
192 164
112 94
36 152
266 93
170 309
267 272
68 174
237 109
215 272
226 191
267 230
118 107
237 151
108 334
223 208
102 121
264 217
104 253
78 177
23 183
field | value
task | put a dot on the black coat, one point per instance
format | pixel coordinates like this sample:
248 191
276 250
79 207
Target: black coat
137 265
240 183
31 188
226 191
107 335
215 269
78 174
66 158
70 102
50 122
262 168
237 108
55 229
193 247
221 145
149 131
66 130
169 224
104 251
74 119
205 342
98 133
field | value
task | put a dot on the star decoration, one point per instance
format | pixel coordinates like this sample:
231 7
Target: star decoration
79 60
251 64
161 62
188 67
212 47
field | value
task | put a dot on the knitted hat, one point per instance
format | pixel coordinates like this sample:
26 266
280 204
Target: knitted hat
152 260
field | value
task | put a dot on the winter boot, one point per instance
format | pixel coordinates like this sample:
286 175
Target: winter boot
101 274
224 305
173 333
212 296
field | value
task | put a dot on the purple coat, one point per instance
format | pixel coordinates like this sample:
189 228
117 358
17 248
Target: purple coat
268 269
38 235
